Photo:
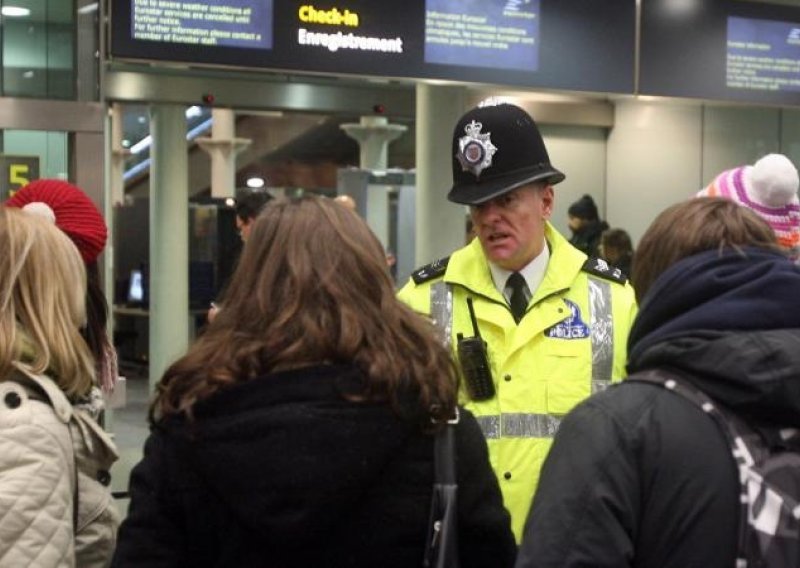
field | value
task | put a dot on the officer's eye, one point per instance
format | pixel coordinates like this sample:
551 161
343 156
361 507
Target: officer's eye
506 200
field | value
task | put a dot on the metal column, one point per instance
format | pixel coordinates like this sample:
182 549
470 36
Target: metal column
169 239
223 146
440 226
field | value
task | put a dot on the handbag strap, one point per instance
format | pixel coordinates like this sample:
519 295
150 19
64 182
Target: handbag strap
441 549
444 452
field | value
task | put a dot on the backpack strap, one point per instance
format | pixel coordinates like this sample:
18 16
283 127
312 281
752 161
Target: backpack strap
748 447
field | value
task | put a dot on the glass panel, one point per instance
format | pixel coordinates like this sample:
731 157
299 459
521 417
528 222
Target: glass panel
87 50
38 48
136 134
50 147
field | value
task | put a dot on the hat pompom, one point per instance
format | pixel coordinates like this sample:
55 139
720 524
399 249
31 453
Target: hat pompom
40 209
774 180
73 212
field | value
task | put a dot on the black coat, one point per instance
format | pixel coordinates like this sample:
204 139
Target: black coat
637 475
283 471
587 238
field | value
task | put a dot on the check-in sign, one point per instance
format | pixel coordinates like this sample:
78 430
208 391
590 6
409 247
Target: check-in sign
16 171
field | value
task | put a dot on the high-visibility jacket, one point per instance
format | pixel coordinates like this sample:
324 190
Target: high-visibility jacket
570 342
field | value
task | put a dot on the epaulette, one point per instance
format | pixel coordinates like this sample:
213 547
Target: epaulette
601 268
430 271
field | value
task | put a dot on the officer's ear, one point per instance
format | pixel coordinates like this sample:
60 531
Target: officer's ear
547 200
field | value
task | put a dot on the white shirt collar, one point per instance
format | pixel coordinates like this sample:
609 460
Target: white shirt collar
533 272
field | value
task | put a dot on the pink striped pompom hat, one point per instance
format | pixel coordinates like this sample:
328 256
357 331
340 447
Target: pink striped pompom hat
769 187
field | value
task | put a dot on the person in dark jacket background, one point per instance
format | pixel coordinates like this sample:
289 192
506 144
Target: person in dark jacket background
298 429
248 204
617 249
586 226
639 476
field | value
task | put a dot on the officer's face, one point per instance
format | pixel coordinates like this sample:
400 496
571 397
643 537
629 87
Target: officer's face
511 227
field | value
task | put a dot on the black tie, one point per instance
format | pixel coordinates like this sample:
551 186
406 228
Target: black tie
518 299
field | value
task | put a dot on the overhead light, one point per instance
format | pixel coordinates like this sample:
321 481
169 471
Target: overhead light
88 9
270 113
193 111
15 11
230 202
255 182
27 74
681 8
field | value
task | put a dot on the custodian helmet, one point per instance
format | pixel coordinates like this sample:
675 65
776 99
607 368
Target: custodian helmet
497 148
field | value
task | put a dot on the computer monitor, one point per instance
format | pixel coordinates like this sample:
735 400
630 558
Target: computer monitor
136 287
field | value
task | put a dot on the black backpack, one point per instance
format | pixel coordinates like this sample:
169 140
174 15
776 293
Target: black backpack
769 472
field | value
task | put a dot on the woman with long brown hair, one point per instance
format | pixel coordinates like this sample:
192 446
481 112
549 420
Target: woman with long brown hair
297 430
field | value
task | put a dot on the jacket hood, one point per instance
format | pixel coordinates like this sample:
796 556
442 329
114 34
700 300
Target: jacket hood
730 323
288 454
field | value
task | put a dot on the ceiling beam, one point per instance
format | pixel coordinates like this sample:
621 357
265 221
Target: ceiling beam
258 92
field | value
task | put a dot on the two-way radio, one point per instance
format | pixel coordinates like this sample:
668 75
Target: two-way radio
475 362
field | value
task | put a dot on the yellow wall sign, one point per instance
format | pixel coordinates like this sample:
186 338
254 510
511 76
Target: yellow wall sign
16 171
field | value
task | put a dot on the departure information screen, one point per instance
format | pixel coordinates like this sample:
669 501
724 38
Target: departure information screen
721 49
563 44
763 55
235 23
508 32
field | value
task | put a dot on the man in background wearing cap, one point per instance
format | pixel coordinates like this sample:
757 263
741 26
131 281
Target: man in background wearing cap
555 324
586 226
247 207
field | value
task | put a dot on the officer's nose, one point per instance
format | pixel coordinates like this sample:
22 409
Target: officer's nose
486 213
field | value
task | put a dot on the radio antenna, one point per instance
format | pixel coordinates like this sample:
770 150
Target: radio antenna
473 318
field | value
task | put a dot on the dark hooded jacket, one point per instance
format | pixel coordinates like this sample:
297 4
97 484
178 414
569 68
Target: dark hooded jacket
283 471
587 238
637 475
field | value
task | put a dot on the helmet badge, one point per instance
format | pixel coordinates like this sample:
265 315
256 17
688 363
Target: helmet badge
475 150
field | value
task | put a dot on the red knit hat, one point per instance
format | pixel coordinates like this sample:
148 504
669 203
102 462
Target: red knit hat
73 211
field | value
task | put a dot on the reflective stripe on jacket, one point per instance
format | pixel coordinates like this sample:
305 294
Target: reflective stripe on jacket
570 343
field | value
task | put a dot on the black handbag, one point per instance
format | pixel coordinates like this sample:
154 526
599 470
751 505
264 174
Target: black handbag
441 548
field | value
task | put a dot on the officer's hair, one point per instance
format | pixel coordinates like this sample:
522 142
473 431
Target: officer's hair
312 288
42 302
692 227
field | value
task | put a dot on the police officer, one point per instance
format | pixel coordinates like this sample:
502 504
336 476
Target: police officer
553 324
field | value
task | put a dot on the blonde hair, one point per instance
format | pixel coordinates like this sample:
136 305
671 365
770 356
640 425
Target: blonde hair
42 302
